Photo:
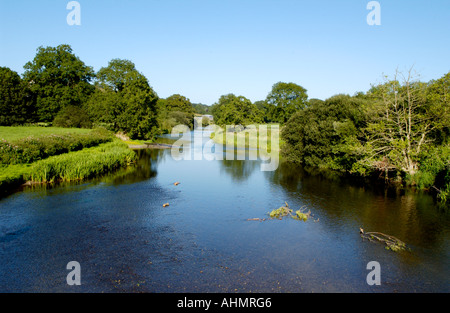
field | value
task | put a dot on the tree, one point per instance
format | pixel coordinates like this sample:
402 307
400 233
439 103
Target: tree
235 110
116 74
326 134
57 78
286 98
267 111
175 110
438 98
138 118
402 124
16 105
124 100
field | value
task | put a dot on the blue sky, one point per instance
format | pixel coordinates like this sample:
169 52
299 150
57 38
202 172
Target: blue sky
203 49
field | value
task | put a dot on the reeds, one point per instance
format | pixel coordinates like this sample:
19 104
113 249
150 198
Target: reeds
83 164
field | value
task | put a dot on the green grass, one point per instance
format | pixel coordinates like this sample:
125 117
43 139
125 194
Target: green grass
83 164
34 148
73 166
13 133
251 139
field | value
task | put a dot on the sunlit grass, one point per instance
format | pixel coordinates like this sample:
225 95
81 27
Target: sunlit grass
13 133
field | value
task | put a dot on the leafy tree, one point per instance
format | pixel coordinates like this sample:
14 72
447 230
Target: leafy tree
138 118
326 134
402 123
201 108
124 100
175 110
267 111
116 74
57 78
286 99
16 105
438 98
235 110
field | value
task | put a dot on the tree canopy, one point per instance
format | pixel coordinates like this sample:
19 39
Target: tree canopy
124 100
57 78
16 103
285 99
235 110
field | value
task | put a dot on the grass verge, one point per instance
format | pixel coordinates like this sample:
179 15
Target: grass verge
74 166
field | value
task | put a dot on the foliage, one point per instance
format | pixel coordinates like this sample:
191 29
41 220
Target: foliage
286 211
82 164
175 110
16 105
235 110
124 100
402 121
326 134
57 78
72 117
399 126
201 108
284 100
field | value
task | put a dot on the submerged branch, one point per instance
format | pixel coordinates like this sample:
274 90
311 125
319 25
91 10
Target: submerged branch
391 242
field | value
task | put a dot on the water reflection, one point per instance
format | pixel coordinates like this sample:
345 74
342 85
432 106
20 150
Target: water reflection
117 228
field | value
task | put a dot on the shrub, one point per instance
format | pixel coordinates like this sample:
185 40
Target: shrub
72 117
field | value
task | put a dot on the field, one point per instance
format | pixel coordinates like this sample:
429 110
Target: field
12 134
261 137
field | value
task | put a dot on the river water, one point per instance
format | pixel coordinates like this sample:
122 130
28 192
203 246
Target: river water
117 229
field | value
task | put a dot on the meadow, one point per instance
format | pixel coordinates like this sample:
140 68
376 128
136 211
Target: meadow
11 134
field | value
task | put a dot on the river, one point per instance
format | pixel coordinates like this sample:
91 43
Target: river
117 229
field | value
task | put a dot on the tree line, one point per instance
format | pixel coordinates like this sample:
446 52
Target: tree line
60 89
398 130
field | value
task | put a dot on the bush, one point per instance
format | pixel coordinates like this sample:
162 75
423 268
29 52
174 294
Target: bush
72 117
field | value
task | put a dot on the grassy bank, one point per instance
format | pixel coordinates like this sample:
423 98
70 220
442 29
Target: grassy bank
245 138
73 166
26 149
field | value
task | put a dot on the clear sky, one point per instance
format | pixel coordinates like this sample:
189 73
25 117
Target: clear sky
203 49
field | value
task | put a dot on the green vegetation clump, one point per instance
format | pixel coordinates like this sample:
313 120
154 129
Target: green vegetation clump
391 243
398 130
286 211
280 212
31 149
83 164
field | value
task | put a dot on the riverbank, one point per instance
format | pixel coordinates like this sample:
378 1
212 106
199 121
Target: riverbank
251 137
74 166
34 155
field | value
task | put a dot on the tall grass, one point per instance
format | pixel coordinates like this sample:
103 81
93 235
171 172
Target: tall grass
82 164
31 149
